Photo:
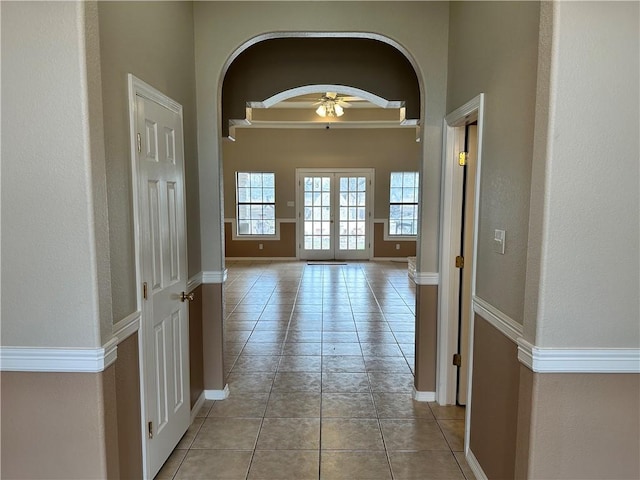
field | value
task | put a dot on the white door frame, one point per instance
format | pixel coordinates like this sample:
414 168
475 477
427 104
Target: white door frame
300 206
139 88
451 215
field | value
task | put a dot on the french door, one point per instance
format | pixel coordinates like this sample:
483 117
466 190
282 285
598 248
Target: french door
334 218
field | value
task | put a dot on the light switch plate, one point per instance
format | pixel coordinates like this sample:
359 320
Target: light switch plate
499 240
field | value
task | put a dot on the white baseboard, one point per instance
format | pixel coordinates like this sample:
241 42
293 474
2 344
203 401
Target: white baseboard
217 394
261 259
475 467
391 259
423 396
196 408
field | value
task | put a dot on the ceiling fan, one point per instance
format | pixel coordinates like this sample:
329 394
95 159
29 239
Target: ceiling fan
331 105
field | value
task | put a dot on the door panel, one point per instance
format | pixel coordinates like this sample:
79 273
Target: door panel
163 254
353 235
325 196
317 217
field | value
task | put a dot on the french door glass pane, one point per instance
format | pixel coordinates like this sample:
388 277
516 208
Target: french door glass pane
317 213
352 217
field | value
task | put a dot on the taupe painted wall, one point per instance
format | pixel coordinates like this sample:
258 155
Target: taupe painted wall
387 249
494 405
493 49
585 425
222 27
153 41
196 375
127 380
59 425
283 150
426 338
285 247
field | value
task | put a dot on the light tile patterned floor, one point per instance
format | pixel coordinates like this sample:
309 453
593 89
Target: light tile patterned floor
320 368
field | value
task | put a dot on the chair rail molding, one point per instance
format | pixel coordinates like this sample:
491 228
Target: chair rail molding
53 359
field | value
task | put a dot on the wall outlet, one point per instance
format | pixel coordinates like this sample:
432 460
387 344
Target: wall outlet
260 246
397 246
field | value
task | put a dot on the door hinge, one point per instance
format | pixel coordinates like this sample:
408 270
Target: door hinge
139 143
459 261
144 290
150 427
457 359
462 158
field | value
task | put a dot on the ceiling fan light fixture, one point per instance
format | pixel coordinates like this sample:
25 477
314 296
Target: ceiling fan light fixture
329 106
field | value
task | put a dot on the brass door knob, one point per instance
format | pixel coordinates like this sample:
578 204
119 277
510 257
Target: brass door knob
186 296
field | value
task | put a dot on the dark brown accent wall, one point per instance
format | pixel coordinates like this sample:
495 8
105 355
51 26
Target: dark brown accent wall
279 64
212 336
196 375
494 405
426 337
387 249
285 247
127 372
55 425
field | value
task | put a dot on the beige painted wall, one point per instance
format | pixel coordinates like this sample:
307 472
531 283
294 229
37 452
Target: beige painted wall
154 41
283 150
55 258
222 27
586 184
493 49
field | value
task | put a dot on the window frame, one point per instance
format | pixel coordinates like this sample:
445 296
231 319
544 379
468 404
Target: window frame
236 235
388 236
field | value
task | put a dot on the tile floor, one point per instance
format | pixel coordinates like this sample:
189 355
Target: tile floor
319 361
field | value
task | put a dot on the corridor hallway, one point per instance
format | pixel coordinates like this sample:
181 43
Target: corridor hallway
320 369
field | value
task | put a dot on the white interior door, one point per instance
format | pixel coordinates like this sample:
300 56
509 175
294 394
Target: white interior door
163 256
335 214
466 250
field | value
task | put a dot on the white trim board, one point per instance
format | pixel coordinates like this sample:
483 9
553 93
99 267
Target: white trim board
127 326
426 278
197 406
475 467
503 322
262 238
217 394
578 360
51 359
214 276
559 359
261 259
423 396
